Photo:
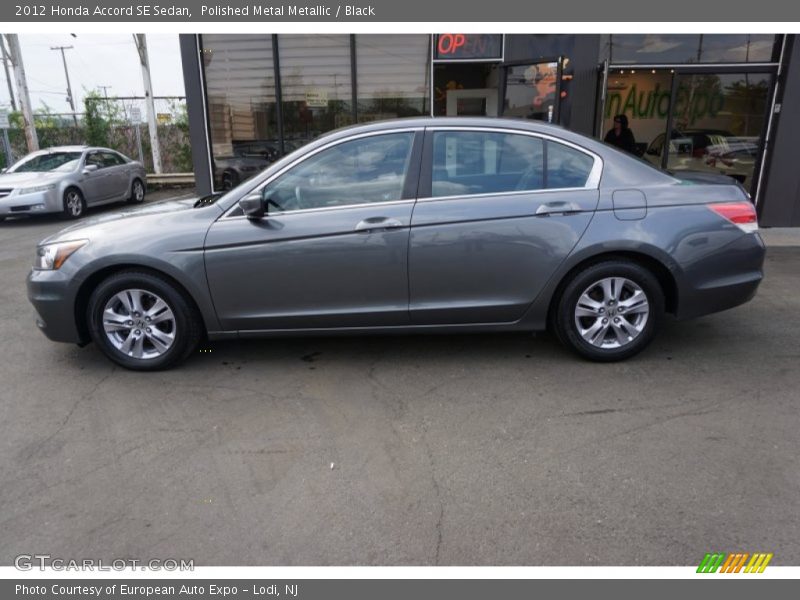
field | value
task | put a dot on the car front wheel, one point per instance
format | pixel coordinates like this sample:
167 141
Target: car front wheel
137 192
610 310
142 321
74 204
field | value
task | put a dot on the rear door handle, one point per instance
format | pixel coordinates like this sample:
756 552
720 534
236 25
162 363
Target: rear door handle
378 223
561 207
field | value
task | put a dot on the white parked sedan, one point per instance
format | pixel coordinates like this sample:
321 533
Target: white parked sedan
68 179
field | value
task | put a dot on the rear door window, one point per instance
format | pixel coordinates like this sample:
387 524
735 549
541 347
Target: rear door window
474 162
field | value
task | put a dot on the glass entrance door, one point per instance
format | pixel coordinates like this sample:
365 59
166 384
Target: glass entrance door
642 97
716 126
465 89
718 122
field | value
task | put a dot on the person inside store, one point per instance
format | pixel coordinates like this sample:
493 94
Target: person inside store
621 136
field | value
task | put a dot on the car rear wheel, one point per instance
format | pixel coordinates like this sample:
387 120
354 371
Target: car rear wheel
74 204
142 321
137 192
610 310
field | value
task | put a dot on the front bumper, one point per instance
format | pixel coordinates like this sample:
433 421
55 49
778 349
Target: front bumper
53 294
27 204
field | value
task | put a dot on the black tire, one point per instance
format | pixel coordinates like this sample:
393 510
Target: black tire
564 317
138 191
74 204
186 325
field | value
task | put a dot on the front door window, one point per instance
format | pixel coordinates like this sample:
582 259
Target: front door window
367 170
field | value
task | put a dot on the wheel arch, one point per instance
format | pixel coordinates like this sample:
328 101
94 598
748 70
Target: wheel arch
73 184
91 282
658 266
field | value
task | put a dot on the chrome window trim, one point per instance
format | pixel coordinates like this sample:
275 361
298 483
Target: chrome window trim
260 186
592 181
494 194
320 209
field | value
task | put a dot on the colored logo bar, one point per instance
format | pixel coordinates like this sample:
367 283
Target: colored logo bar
734 562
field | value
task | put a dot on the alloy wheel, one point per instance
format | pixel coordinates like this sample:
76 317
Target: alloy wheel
74 203
139 324
138 191
611 312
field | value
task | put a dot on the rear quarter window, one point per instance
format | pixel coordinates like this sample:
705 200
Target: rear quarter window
567 167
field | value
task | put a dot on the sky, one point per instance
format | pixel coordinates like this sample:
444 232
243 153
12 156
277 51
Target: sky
95 60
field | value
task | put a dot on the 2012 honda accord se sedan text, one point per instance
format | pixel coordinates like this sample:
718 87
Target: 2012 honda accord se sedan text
419 225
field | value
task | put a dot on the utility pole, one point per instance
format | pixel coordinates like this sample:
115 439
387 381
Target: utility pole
15 53
70 99
6 62
141 47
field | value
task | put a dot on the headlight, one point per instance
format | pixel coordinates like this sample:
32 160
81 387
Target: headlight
38 188
51 256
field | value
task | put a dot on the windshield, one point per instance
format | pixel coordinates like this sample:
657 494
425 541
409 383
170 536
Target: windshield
52 161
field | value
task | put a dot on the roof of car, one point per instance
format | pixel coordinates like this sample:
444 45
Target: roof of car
501 122
75 148
439 122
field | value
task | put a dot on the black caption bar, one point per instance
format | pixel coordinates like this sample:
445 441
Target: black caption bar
393 11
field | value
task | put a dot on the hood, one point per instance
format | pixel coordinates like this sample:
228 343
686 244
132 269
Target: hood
129 219
29 179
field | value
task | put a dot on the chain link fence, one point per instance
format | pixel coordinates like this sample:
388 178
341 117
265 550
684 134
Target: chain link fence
119 123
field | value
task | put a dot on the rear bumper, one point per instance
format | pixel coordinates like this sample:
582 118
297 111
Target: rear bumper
54 300
723 280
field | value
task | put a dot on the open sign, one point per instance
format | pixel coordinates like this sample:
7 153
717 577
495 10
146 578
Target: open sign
466 46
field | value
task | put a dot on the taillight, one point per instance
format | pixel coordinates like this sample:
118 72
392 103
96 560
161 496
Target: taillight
742 214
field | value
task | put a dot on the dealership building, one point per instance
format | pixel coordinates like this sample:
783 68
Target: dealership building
719 103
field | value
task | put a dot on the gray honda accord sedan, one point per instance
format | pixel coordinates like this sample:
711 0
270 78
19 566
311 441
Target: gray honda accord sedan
420 225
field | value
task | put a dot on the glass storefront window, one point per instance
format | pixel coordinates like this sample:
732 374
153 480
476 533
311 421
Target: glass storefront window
531 91
316 86
717 124
694 48
737 48
393 75
240 87
717 121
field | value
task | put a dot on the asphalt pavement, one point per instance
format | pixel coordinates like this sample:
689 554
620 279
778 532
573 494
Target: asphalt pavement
449 450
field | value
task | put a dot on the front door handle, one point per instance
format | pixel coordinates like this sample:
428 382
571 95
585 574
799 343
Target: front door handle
560 207
377 223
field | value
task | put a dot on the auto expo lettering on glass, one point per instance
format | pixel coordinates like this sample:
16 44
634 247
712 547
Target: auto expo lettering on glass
463 46
695 104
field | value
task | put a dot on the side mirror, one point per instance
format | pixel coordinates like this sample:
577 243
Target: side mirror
253 206
89 169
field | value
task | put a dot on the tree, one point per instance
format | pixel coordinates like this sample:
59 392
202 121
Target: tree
97 120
